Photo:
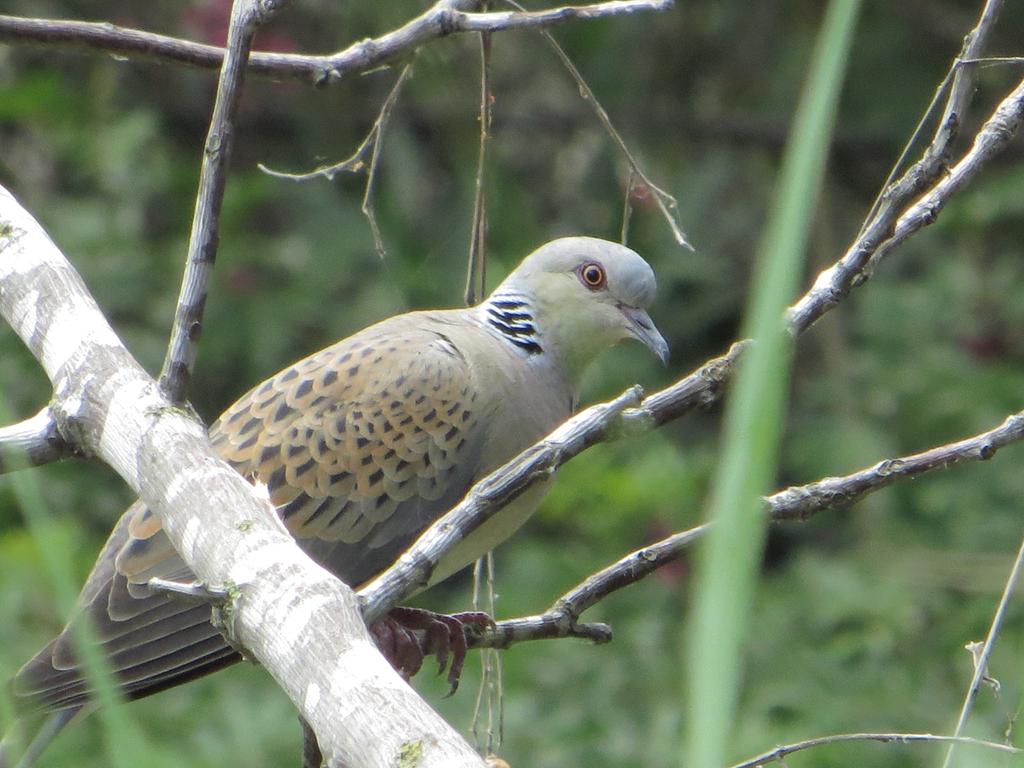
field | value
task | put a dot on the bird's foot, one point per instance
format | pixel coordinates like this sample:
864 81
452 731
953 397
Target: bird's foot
409 634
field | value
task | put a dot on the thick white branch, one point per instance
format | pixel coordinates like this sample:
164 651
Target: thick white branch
292 616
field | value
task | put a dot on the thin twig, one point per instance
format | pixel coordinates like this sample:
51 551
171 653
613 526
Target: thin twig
987 61
440 20
981 660
799 503
627 208
915 136
476 270
795 503
562 618
666 203
246 17
477 603
961 80
779 753
490 693
357 161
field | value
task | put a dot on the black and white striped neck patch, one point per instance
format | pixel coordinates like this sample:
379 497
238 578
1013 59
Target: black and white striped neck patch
512 317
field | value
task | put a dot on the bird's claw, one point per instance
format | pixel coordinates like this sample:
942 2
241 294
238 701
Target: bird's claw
399 645
409 634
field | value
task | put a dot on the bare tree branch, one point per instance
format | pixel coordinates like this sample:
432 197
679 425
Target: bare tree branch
32 442
562 618
440 20
779 753
246 17
959 82
294 617
795 503
992 139
491 693
894 223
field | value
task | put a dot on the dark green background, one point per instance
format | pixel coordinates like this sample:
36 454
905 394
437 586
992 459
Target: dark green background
861 615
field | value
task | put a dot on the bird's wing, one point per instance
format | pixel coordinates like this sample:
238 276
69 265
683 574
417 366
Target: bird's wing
360 445
363 445
151 642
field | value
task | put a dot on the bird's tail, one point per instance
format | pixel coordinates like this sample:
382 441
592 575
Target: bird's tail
50 727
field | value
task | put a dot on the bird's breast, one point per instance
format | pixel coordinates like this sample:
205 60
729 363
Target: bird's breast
526 400
493 532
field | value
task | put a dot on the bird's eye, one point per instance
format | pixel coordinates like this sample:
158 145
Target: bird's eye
592 275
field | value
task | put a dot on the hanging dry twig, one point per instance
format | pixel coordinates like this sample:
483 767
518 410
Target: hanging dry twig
490 695
357 161
666 203
476 270
627 208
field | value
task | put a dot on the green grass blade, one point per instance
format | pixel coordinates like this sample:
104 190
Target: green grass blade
730 558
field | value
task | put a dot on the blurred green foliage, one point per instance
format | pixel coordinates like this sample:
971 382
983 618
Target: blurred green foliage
861 614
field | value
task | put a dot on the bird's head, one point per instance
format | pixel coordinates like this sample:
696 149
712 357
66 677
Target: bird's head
586 295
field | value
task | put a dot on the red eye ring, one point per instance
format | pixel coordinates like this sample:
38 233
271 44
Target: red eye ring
592 275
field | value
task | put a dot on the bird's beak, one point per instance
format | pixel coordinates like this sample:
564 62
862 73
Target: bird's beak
642 328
